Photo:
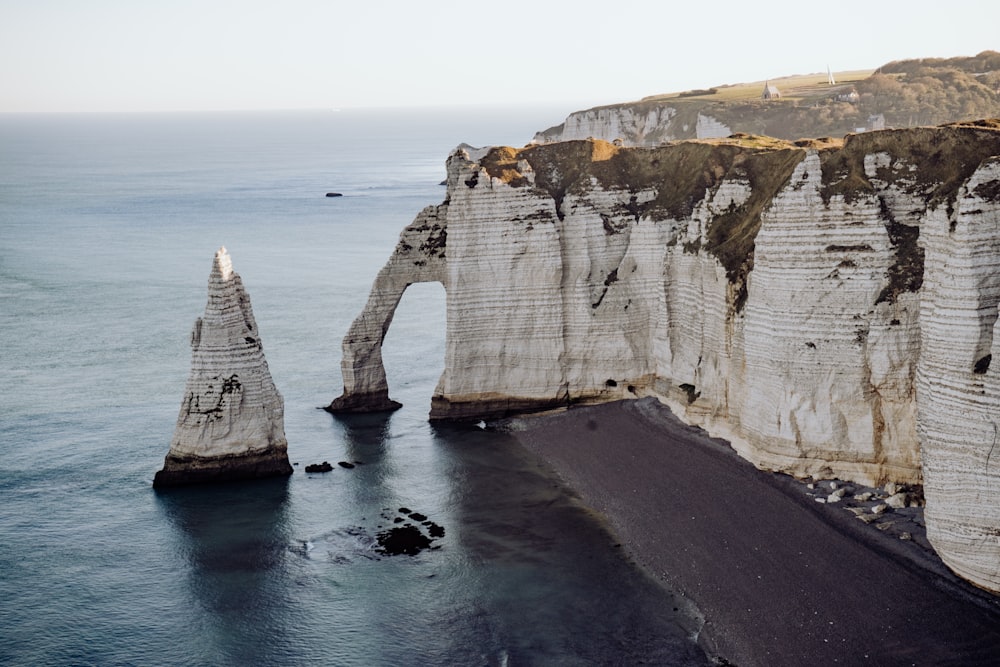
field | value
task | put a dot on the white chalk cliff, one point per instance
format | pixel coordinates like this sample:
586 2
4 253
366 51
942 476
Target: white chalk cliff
828 307
231 421
638 124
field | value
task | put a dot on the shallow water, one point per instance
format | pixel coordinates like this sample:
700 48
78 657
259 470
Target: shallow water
108 225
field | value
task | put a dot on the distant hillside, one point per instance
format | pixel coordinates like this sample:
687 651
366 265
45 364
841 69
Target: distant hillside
905 93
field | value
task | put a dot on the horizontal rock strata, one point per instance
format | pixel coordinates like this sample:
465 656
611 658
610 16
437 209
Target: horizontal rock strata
633 125
828 306
419 257
231 421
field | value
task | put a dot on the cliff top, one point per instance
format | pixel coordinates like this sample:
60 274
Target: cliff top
681 174
905 93
796 87
947 155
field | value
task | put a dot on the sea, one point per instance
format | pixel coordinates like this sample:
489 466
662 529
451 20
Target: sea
108 227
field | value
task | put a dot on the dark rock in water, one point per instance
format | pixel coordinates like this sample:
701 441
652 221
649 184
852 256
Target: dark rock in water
378 401
334 194
319 467
407 538
178 471
345 464
402 540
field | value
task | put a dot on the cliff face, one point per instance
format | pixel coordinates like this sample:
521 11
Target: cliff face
958 388
231 421
828 307
640 125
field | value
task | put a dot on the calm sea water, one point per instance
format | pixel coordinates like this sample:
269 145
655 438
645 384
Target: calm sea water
108 225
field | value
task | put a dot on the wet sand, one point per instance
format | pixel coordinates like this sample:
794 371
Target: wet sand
778 578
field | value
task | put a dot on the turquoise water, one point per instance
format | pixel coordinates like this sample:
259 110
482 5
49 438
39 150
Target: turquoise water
108 225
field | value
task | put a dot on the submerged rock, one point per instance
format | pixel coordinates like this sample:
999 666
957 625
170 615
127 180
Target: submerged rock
325 466
408 539
405 539
231 421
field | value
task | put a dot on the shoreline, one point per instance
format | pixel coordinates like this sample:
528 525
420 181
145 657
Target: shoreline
777 577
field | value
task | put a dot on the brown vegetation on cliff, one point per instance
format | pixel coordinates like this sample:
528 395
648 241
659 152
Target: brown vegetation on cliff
680 174
907 93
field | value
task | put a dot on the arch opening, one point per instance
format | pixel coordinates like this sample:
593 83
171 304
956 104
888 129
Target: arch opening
414 347
418 337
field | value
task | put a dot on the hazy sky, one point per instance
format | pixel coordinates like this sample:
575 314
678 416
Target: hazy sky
159 55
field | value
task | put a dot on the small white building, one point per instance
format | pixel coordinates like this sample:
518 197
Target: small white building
770 92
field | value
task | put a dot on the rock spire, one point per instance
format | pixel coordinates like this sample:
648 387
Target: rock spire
231 421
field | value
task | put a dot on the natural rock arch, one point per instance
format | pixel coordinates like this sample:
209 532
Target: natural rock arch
419 257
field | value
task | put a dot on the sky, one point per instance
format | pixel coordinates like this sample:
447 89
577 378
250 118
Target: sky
194 55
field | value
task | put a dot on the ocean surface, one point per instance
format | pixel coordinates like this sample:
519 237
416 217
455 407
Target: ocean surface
108 226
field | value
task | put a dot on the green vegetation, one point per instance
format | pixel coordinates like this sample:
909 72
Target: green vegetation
800 87
934 91
907 93
698 93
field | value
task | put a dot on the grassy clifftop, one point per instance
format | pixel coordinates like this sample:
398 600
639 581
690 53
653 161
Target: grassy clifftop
905 93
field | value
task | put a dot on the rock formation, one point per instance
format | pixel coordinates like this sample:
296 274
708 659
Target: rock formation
826 306
419 257
896 94
231 421
958 389
634 125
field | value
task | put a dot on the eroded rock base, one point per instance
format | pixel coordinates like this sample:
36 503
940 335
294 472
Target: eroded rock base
367 402
487 408
179 471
